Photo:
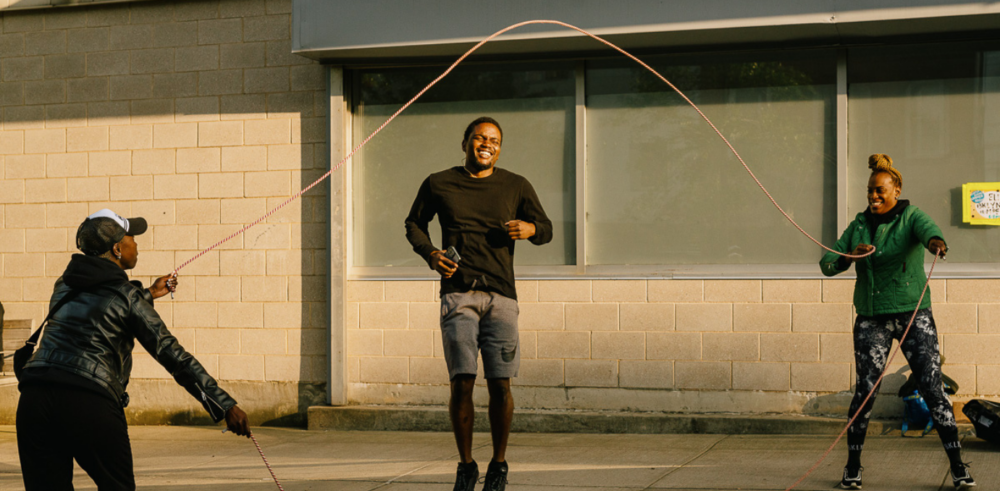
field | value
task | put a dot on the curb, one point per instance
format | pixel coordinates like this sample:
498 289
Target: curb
435 418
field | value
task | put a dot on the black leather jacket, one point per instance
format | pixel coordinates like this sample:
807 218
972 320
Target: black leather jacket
93 334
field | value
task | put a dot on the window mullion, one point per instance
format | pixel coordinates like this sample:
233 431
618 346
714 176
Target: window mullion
842 136
581 171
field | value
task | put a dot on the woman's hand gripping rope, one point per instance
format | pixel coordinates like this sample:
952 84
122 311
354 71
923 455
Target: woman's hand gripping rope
164 285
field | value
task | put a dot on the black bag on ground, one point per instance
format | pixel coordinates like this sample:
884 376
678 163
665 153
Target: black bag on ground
985 417
23 354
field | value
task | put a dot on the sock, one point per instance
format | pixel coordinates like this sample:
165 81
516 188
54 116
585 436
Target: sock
854 457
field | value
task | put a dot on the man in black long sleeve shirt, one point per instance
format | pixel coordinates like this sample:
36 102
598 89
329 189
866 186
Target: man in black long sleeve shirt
483 210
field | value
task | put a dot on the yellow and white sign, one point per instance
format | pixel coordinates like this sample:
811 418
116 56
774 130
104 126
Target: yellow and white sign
981 203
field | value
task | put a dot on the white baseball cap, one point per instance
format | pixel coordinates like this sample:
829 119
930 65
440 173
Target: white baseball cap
132 226
100 231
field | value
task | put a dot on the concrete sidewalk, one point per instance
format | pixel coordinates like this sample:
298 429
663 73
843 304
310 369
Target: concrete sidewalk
202 458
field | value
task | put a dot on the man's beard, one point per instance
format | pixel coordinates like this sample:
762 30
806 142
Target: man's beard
478 167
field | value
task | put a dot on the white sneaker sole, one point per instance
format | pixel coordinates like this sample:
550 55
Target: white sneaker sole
850 486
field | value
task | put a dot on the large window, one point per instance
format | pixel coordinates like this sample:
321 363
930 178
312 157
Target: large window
936 111
637 184
662 188
535 104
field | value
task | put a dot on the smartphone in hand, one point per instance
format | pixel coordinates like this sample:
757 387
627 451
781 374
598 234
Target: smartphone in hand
452 254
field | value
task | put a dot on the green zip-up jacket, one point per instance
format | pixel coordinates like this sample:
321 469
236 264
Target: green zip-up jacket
889 281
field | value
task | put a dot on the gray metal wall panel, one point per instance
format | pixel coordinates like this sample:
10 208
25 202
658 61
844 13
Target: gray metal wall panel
12 5
346 30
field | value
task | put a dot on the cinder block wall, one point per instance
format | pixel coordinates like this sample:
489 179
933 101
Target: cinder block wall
195 115
666 345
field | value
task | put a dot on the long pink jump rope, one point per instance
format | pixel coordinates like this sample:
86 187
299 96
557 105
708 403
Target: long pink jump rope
686 99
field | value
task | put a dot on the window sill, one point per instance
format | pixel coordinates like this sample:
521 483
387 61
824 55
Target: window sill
692 272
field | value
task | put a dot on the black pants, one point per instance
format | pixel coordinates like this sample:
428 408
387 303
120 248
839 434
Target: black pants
59 423
872 342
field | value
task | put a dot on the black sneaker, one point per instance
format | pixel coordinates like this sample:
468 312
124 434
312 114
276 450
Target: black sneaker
466 477
496 476
962 479
851 480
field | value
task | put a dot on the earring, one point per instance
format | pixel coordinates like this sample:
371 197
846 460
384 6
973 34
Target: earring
118 255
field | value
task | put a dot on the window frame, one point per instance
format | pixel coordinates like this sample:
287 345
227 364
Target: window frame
583 271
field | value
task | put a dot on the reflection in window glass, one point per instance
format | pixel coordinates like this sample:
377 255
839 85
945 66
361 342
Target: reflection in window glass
662 188
533 102
936 111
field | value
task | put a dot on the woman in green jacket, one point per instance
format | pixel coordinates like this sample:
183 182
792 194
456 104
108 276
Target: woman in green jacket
885 295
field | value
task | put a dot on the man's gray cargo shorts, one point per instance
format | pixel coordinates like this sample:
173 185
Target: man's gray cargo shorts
477 321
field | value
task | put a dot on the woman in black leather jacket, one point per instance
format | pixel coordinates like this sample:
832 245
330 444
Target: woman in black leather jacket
73 387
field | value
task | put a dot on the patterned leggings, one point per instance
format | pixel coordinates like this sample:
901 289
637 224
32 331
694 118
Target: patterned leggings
872 341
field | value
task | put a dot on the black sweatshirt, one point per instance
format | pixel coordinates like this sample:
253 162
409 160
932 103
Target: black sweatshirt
472 212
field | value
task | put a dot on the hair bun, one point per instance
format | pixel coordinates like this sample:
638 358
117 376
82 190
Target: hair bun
879 162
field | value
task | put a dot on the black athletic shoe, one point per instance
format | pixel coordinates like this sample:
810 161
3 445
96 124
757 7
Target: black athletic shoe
962 479
851 480
466 477
496 476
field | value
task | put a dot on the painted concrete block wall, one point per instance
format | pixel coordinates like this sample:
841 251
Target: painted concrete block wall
674 345
196 116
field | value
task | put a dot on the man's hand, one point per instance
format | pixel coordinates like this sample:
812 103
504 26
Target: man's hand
444 266
237 421
861 249
163 286
518 230
937 247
